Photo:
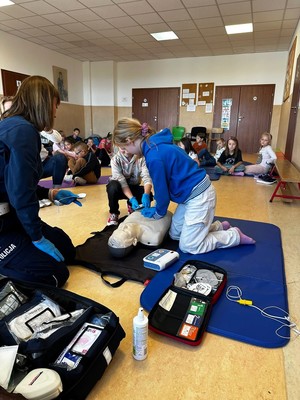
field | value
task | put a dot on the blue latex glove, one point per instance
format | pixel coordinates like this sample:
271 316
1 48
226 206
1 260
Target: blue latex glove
148 212
48 247
134 203
146 200
64 197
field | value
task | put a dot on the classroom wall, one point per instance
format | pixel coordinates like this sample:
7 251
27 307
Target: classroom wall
122 77
241 69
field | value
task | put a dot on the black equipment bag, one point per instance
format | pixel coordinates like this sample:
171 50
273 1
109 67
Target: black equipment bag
43 352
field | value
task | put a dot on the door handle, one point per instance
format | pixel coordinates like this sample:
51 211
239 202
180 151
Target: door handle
155 118
240 118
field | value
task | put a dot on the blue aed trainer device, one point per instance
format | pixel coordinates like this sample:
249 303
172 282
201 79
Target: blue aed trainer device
160 259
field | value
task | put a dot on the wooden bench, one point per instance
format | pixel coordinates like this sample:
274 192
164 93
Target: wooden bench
288 177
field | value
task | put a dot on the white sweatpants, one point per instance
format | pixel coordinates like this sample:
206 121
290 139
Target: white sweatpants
192 224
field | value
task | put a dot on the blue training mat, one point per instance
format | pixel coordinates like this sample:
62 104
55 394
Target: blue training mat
258 270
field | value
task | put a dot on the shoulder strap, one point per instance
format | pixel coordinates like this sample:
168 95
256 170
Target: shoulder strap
116 284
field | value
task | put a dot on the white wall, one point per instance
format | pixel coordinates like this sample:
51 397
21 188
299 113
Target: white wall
260 68
21 56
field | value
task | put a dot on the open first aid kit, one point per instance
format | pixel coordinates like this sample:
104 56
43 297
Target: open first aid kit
55 344
182 312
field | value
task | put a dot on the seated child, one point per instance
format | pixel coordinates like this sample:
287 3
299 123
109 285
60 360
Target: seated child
85 167
92 147
54 165
207 159
231 161
266 157
65 147
186 144
200 143
105 150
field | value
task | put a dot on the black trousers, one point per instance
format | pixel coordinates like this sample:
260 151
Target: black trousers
115 193
20 259
103 157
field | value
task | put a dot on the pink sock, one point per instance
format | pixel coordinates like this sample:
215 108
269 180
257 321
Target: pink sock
238 174
226 225
244 239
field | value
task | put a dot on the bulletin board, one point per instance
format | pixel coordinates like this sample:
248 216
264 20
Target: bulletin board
189 94
205 93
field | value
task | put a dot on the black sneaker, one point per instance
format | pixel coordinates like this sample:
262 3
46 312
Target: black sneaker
266 179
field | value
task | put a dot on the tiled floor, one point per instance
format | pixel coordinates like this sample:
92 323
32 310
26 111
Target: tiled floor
220 368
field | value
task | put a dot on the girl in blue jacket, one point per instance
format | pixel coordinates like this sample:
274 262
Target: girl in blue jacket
176 177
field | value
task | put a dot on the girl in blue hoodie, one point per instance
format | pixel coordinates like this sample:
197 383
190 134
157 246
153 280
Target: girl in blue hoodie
176 177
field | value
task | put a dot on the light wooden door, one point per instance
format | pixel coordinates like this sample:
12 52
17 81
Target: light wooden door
249 115
158 106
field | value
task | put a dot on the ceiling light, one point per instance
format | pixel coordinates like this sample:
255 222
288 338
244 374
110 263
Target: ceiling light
6 3
241 28
170 35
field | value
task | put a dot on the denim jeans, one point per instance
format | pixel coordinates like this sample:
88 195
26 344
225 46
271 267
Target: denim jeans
56 167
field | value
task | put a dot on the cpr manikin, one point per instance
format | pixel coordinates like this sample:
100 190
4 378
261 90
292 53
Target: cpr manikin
137 228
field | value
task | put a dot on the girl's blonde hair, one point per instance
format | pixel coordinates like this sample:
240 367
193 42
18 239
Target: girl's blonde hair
268 135
34 101
132 129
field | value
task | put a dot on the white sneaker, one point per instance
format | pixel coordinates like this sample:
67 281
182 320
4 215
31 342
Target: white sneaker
45 203
68 178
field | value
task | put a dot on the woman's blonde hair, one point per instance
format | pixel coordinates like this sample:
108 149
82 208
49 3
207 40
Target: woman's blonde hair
34 101
132 129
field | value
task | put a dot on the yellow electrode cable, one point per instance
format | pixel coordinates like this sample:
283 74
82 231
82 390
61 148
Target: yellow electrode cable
234 293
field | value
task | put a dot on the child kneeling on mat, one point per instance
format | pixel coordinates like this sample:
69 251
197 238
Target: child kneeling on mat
176 177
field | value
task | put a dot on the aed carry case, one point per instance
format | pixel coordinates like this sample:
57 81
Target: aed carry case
182 312
56 330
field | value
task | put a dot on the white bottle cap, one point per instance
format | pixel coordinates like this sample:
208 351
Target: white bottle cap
141 315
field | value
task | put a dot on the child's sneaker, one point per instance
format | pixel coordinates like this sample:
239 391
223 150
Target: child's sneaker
238 173
79 181
113 219
68 178
129 209
45 203
266 180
